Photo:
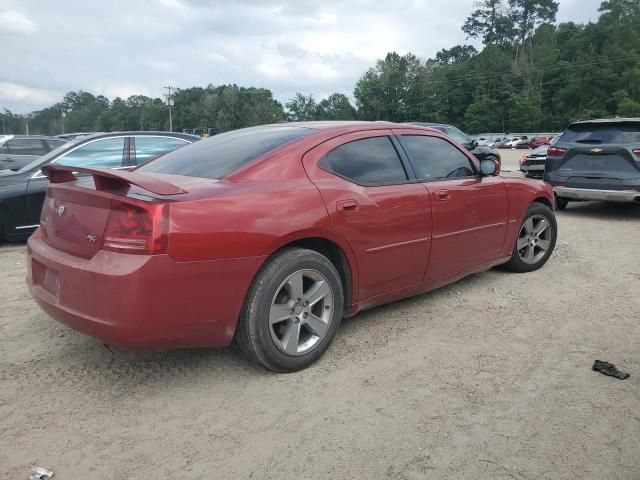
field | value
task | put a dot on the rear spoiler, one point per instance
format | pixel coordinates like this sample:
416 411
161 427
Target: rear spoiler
106 179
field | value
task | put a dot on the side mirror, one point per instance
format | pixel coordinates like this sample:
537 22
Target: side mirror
488 168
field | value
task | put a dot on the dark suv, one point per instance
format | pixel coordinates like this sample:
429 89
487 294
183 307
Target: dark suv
481 152
596 160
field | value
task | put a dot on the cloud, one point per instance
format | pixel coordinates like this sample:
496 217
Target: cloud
12 21
118 48
160 65
12 92
122 90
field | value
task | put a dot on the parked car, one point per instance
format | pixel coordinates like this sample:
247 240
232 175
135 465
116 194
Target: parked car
22 192
495 142
271 234
540 141
508 141
532 164
16 151
511 142
73 135
523 144
481 152
596 160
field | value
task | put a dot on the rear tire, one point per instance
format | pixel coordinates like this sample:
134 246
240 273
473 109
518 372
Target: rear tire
536 239
292 312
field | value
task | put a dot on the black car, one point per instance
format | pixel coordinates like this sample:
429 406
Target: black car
596 160
74 135
16 151
22 193
481 152
532 165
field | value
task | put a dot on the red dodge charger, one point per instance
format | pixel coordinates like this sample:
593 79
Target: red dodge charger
270 235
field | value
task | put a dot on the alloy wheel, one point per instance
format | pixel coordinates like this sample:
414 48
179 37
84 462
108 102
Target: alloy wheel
534 239
301 311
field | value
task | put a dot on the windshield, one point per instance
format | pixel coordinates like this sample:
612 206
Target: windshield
222 154
52 154
595 133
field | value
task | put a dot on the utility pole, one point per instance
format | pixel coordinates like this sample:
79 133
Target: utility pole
170 104
62 115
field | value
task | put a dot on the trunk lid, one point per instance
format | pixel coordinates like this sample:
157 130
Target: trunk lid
73 218
598 166
76 211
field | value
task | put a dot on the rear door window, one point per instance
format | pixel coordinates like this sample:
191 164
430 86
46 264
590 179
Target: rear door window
592 133
106 153
370 161
53 144
26 146
148 147
434 158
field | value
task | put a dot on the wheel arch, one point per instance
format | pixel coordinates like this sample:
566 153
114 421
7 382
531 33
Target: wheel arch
544 201
339 255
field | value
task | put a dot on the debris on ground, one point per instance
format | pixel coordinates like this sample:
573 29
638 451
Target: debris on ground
41 474
609 369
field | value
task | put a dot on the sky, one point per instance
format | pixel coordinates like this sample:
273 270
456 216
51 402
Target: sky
126 47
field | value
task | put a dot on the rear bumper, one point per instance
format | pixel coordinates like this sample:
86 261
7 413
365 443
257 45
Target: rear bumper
593 194
532 168
139 302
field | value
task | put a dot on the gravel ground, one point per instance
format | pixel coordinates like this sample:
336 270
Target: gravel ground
488 378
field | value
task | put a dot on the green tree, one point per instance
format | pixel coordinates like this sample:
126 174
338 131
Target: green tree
335 107
301 108
390 90
490 23
528 14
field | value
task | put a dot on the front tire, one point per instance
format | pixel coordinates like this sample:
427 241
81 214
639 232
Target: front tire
536 239
292 312
561 203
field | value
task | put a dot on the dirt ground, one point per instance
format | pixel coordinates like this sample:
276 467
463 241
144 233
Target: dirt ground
488 378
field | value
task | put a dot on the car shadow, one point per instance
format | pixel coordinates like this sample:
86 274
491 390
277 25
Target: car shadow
602 210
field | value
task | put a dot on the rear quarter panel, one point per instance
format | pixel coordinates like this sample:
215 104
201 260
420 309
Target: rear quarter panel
248 219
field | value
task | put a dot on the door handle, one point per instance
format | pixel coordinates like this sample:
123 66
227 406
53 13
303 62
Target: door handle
442 194
347 207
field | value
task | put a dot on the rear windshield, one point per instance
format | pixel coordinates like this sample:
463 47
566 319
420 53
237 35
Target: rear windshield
602 133
218 156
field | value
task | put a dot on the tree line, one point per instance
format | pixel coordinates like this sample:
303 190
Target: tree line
530 74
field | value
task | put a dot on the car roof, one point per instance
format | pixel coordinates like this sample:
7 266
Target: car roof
431 124
606 120
331 124
344 126
150 133
33 137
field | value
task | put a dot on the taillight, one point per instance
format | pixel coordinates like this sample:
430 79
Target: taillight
136 228
555 152
636 152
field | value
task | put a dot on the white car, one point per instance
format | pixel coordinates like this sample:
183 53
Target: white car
512 142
